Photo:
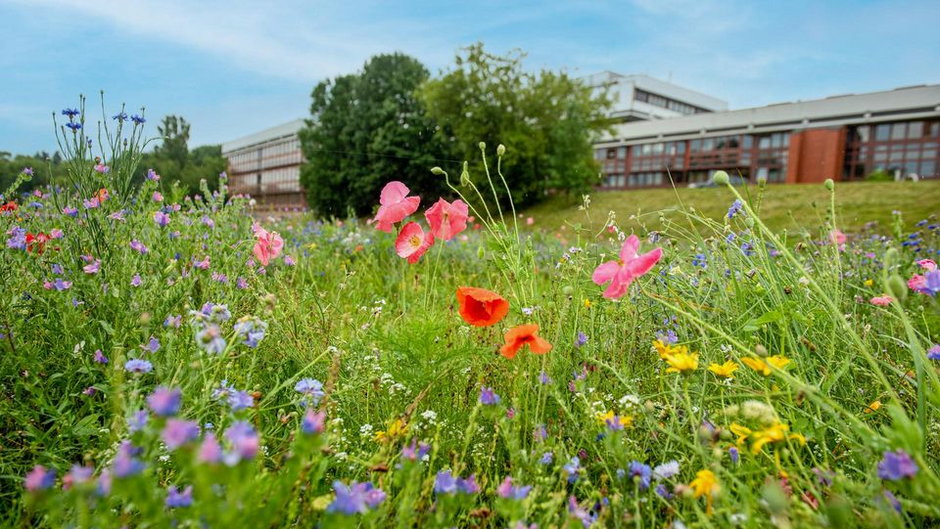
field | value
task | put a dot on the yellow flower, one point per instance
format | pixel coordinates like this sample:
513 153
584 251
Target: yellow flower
681 362
665 349
762 367
775 433
725 370
395 429
625 420
873 407
869 282
705 484
587 303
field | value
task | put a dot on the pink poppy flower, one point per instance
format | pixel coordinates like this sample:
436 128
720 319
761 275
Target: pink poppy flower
268 245
395 205
412 242
881 301
837 237
622 272
917 283
927 264
447 219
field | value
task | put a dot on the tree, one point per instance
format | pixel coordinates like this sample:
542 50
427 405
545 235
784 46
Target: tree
174 131
547 121
366 129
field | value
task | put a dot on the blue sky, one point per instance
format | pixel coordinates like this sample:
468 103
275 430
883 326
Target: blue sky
234 67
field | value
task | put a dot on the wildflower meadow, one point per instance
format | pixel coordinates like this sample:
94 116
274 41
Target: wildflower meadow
184 361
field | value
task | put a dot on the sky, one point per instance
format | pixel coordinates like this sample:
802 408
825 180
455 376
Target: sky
234 67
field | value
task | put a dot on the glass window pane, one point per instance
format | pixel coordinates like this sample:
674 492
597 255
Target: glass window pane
897 131
928 168
862 133
915 129
882 132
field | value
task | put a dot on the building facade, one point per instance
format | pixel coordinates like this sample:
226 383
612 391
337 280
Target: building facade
842 137
266 165
667 134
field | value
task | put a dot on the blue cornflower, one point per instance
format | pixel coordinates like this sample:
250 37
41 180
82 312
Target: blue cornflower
488 396
138 421
74 125
934 353
310 388
139 120
699 260
240 400
125 462
137 365
507 490
641 474
251 329
120 116
581 340
70 112
663 492
179 498
573 469
547 458
734 454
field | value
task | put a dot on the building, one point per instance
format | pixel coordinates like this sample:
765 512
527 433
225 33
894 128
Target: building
266 165
844 137
641 97
669 134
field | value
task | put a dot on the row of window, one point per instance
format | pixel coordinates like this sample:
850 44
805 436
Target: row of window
666 102
646 179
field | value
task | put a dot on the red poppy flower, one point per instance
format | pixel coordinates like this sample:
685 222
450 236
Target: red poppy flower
524 335
9 206
480 307
36 243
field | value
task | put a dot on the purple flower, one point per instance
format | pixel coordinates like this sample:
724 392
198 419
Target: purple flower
312 422
544 379
152 346
165 401
138 421
39 478
580 513
488 396
139 120
173 321
136 280
931 282
137 365
92 268
17 240
244 440
641 474
210 451
734 454
152 175
445 483
897 465
70 211
161 218
251 329
176 498
509 491
61 284
125 462
210 339
666 470
57 269
415 450
178 432
892 500
74 126
581 339
934 353
355 498
100 358
70 112
77 475
540 433
735 208
240 400
547 458
663 492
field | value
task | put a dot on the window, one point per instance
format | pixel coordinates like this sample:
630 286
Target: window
882 132
915 129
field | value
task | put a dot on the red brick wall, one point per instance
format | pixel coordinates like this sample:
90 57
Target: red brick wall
816 155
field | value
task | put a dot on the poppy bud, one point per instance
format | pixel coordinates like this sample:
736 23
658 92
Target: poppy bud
481 253
465 176
500 150
482 146
720 178
760 350
830 185
891 257
567 290
761 180
437 170
897 287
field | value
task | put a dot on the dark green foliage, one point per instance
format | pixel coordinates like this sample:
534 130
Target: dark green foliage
547 121
174 162
41 163
365 130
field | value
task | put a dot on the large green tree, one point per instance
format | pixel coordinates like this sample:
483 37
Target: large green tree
547 121
366 129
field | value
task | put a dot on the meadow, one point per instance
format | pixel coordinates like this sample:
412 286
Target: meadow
172 361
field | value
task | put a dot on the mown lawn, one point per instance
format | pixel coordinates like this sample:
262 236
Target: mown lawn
782 207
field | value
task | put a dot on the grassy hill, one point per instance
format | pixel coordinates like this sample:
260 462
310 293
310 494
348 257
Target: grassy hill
782 206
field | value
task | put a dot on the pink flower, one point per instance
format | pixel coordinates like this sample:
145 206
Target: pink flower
917 283
622 272
412 242
395 205
837 237
927 264
268 246
529 221
447 219
881 301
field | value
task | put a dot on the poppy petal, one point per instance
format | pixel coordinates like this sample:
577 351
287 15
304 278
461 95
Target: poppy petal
605 272
645 262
